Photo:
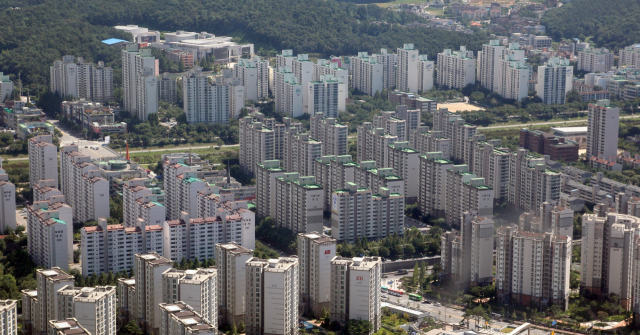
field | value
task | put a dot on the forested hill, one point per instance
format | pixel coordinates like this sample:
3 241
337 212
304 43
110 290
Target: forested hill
41 31
612 23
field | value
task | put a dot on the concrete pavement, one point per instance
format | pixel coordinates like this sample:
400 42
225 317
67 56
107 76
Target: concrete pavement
549 123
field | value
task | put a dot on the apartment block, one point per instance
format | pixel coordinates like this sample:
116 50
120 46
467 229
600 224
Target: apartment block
389 63
303 70
488 61
73 77
82 185
148 270
595 60
433 184
332 134
301 152
65 326
350 209
300 203
167 88
629 56
323 96
232 280
266 175
555 80
8 317
183 194
257 144
512 74
407 69
413 101
146 93
504 262
325 67
491 162
209 103
424 140
332 173
367 74
50 235
126 292
454 128
139 202
45 306
195 288
602 131
7 202
273 286
134 61
373 144
391 124
255 77
425 73
530 182
43 159
481 246
368 176
112 248
6 87
93 307
290 100
285 59
405 163
29 310
315 252
354 290
181 318
456 69
466 192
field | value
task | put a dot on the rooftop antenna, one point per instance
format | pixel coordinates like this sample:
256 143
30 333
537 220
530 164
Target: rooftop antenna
228 173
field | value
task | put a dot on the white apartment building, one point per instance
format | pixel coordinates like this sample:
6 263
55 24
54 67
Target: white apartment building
181 187
595 60
43 159
504 262
332 134
195 288
454 128
139 202
126 292
257 144
181 318
602 130
64 326
274 286
6 87
7 201
167 88
465 192
232 280
209 103
349 209
315 252
8 317
93 307
196 238
73 77
368 176
491 162
512 74
389 63
44 190
285 59
266 175
324 67
300 203
410 116
112 248
324 96
482 250
456 69
555 80
29 309
392 125
254 74
629 56
50 234
488 61
424 140
425 73
355 292
148 274
301 152
433 183
134 61
373 144
332 173
146 93
530 182
405 163
367 74
303 70
407 69
42 305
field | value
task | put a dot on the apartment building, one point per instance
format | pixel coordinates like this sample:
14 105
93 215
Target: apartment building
332 134
481 246
332 173
300 203
290 99
183 195
257 144
180 318
466 192
50 235
504 262
551 217
323 96
555 80
405 163
73 77
373 144
134 61
315 252
595 60
112 248
602 130
146 93
232 280
512 74
456 69
491 162
66 326
9 317
266 175
167 88
407 69
29 310
425 73
82 185
126 292
389 63
209 103
530 182
350 208
391 124
629 56
488 61
195 288
454 128
285 59
433 183
367 74
6 87
424 140
301 152
325 67
43 159
7 202
354 290
274 286
368 176
254 74
93 307
42 305
148 271
303 70
139 202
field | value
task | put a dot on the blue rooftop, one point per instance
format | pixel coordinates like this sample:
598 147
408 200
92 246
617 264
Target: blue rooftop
113 41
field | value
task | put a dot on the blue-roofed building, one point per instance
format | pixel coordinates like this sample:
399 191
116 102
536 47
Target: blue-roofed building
115 42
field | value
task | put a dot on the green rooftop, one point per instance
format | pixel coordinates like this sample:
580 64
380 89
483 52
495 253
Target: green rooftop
191 180
309 186
58 221
157 204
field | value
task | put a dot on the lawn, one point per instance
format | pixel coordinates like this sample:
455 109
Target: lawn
507 330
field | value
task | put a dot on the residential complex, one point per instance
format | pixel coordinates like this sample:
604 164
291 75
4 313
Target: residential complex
373 144
595 60
315 252
43 159
148 291
43 305
332 134
555 80
73 77
209 103
93 307
50 233
456 69
195 288
602 130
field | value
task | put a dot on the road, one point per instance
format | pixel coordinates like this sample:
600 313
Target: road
549 123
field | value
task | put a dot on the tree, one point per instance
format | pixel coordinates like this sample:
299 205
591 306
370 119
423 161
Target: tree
132 328
573 96
241 326
477 96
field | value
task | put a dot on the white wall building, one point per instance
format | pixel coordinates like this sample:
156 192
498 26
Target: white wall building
367 74
196 288
512 74
629 56
405 163
324 67
207 103
456 69
555 80
332 134
488 61
324 96
254 74
6 87
315 252
93 307
232 280
425 73
300 203
134 61
266 175
146 93
602 130
407 69
73 77
7 201
148 271
9 317
433 183
301 152
303 70
389 62
373 143
181 318
43 159
594 60
50 234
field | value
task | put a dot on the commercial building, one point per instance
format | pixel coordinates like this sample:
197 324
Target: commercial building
254 74
602 130
112 248
92 116
332 134
413 101
148 271
595 60
93 307
315 252
9 317
43 159
433 184
50 233
555 80
575 134
488 62
136 82
82 185
181 318
373 144
232 280
407 76
323 96
209 103
300 203
355 293
73 77
195 288
274 285
558 148
367 74
456 69
359 212
301 152
405 163
7 202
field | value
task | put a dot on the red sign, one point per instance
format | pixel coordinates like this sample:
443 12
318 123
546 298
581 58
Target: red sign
327 252
359 278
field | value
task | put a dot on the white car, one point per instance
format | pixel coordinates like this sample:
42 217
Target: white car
384 296
437 304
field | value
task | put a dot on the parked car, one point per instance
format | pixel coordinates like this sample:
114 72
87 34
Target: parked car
437 304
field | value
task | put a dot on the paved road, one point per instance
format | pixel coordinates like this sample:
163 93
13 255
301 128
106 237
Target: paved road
549 123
